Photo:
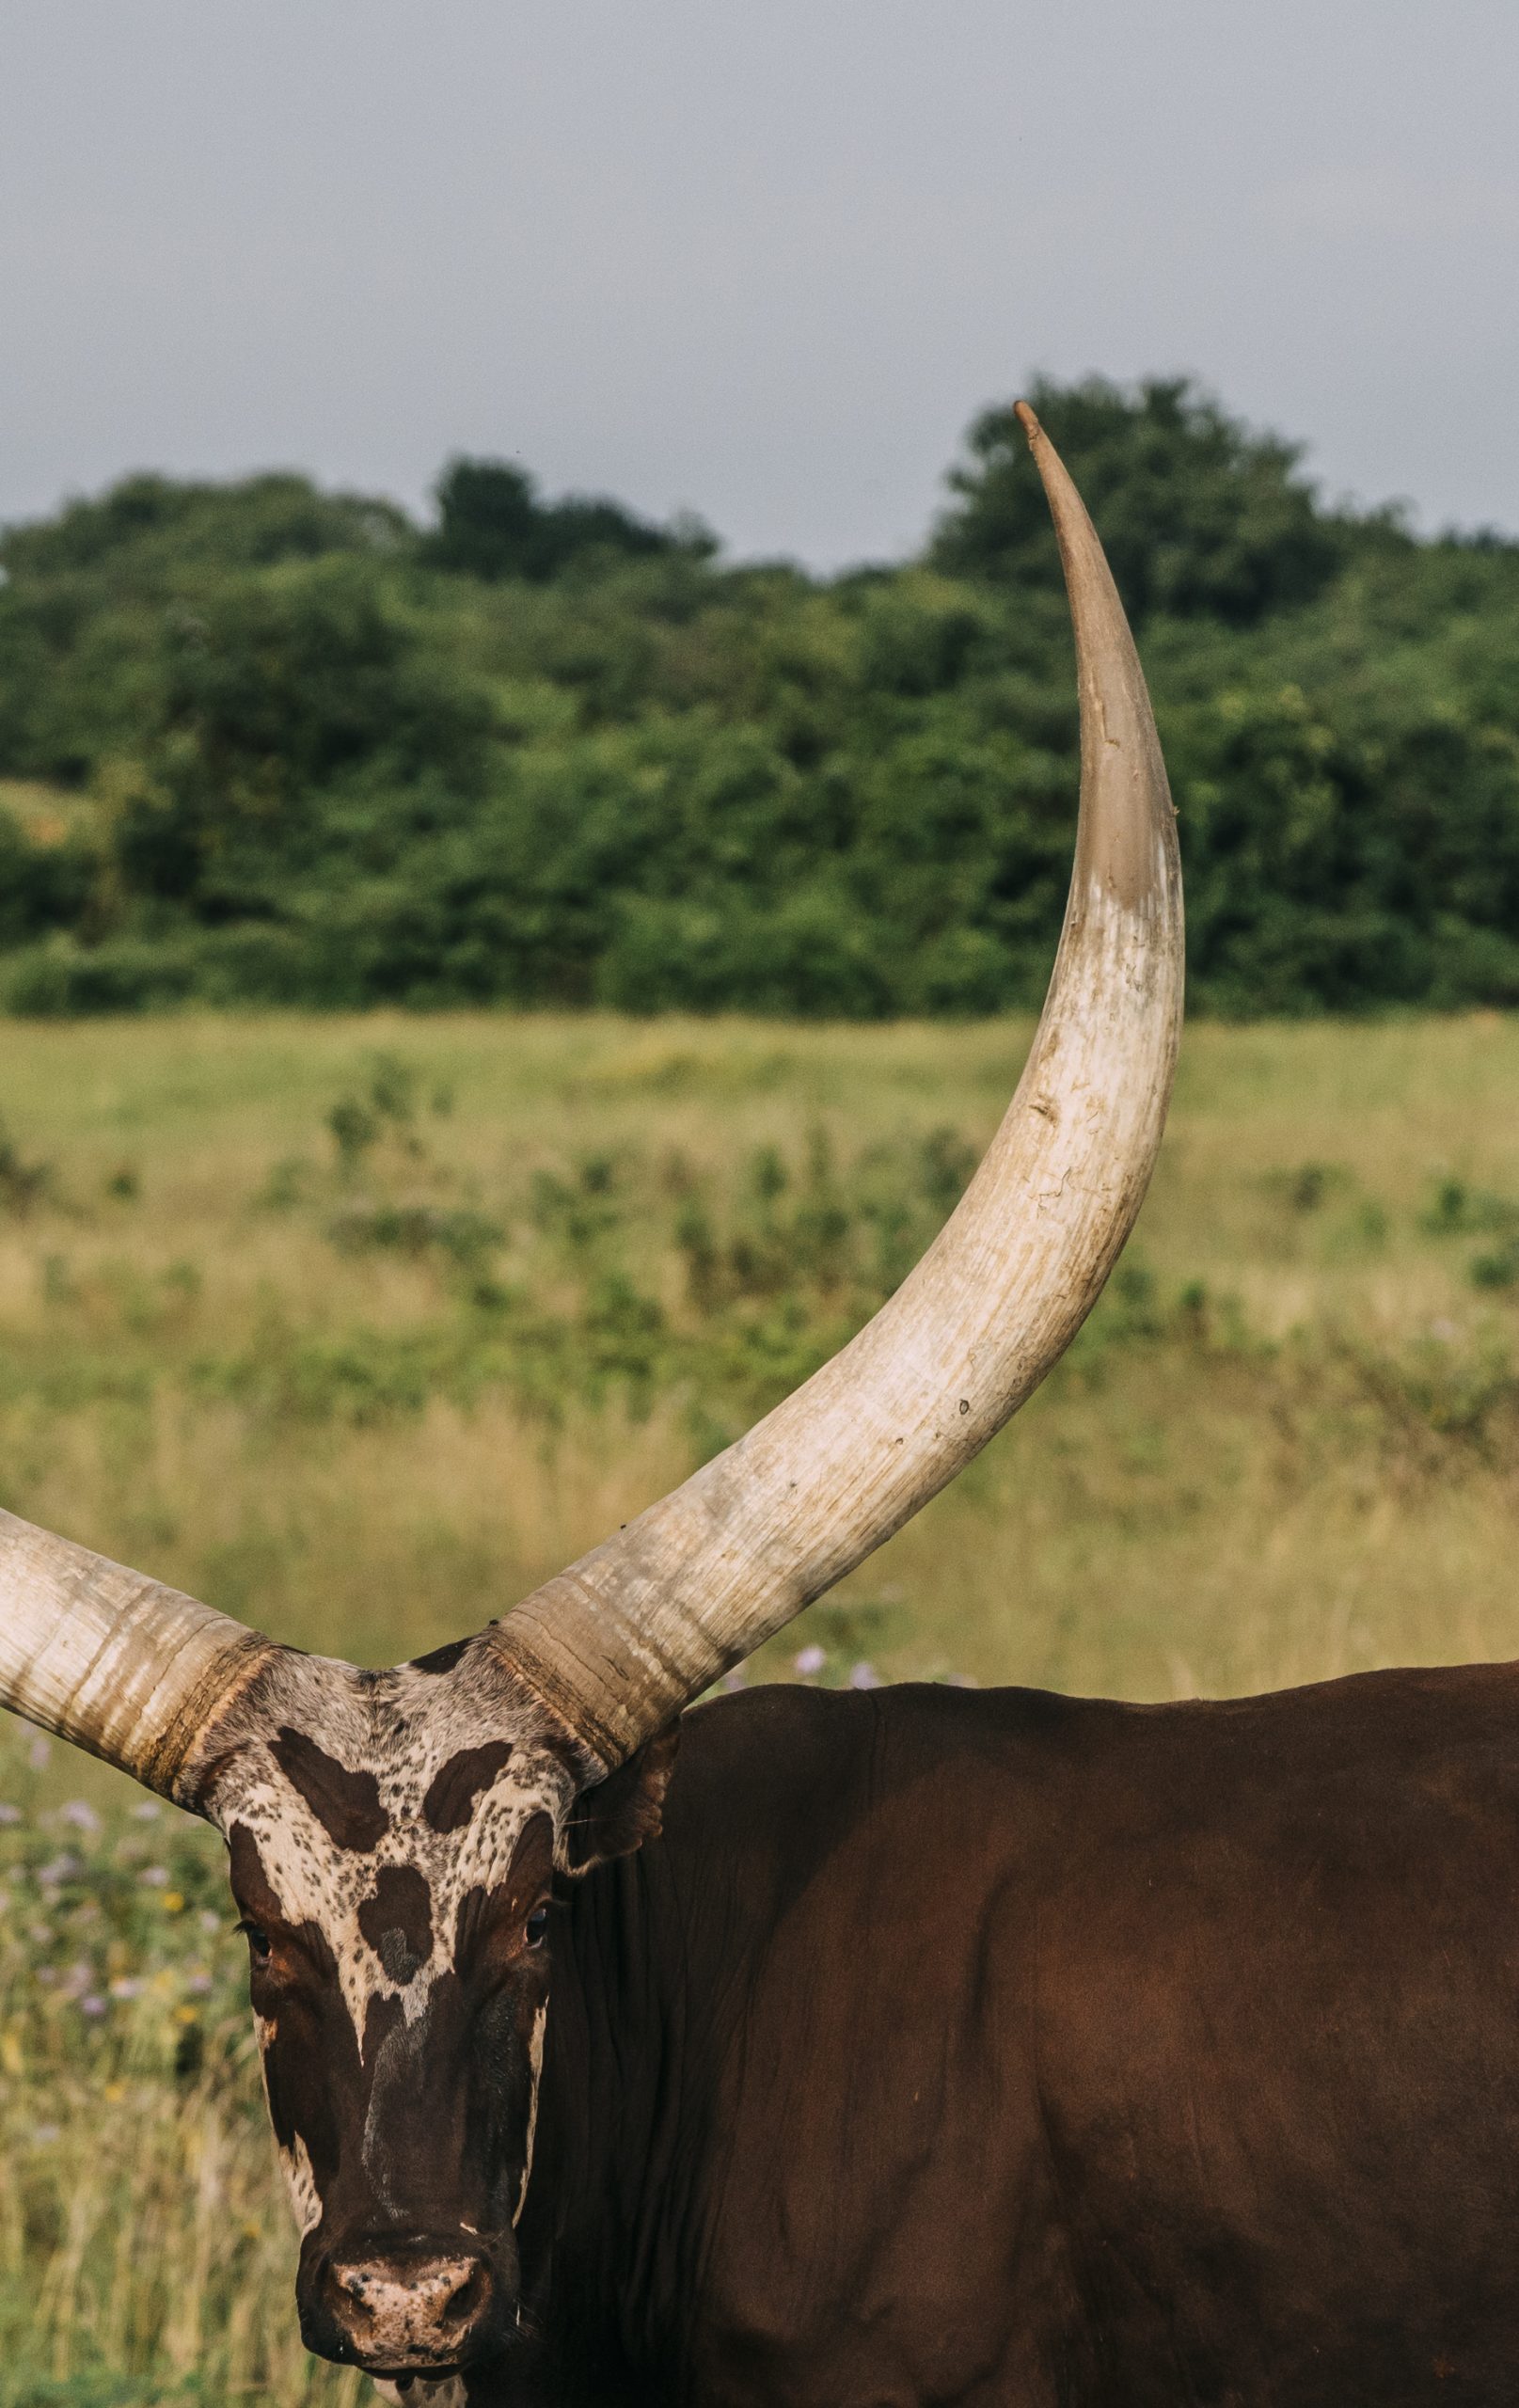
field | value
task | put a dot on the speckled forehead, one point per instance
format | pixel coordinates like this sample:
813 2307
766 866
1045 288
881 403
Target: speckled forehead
342 1773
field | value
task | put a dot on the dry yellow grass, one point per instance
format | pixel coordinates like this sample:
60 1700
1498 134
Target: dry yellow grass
1291 1450
1157 1528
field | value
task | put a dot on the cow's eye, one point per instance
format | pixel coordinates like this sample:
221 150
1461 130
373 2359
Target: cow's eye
257 1939
536 1925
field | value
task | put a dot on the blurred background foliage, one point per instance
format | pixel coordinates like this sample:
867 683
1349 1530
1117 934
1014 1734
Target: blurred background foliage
260 743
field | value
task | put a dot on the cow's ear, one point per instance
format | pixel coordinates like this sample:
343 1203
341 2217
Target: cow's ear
623 1811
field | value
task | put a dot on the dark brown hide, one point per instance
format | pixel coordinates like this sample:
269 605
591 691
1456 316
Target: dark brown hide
442 1659
489 1925
622 1812
346 1804
956 2051
397 1921
451 1792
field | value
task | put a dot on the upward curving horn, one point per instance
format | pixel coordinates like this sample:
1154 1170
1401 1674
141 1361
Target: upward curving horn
627 1636
137 1674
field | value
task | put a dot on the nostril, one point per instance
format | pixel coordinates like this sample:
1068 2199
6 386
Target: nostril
468 2297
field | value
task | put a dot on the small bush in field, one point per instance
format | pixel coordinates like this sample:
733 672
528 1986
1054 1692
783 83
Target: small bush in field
22 1183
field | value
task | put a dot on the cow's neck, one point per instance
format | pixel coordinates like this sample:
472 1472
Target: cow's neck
610 2226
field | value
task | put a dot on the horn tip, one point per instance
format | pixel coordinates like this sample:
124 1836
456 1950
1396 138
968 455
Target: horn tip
1029 423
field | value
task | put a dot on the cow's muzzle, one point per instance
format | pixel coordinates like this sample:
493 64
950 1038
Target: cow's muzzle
408 2311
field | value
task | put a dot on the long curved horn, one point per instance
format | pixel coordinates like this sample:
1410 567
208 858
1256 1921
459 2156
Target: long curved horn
110 1660
621 1642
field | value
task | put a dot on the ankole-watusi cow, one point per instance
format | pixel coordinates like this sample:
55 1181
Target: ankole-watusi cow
913 2050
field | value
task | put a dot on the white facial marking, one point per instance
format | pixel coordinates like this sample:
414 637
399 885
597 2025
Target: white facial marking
535 2059
404 1728
318 1881
301 2183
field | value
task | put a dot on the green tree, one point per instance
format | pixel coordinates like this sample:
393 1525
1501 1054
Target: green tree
146 526
1200 516
260 742
279 690
491 524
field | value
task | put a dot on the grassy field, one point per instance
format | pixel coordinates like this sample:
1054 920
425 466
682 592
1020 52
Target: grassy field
359 1329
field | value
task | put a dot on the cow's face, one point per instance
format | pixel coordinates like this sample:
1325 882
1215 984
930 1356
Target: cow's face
394 1838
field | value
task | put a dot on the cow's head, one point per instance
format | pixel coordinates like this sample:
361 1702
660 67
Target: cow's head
394 1842
393 1836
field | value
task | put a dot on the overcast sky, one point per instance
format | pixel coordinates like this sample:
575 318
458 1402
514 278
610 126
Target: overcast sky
759 258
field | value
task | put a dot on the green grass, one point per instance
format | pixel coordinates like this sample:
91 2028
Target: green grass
144 2253
364 1387
359 1329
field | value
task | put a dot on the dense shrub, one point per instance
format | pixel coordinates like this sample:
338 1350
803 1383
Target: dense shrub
1198 516
491 524
260 743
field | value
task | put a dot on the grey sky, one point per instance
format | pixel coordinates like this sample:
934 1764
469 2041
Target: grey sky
764 261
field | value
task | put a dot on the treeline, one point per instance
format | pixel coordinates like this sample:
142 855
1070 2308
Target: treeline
262 743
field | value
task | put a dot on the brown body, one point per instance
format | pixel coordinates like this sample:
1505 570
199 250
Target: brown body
1004 2049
